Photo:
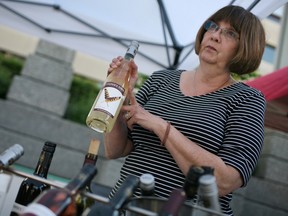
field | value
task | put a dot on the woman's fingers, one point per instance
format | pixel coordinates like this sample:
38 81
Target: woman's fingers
132 97
133 66
133 69
114 64
133 74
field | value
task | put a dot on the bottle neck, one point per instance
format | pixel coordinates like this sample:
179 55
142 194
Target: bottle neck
146 192
90 159
43 164
128 56
125 191
85 176
131 51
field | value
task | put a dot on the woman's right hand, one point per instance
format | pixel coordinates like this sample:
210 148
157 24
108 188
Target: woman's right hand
116 62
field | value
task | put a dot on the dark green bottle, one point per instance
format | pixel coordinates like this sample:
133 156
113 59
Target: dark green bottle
30 188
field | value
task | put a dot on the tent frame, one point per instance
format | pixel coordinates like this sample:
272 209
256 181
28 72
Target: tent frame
168 31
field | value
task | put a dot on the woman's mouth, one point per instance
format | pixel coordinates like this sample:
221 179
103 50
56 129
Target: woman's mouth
211 48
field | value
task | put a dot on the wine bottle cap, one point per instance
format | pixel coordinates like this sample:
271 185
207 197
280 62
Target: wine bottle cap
147 181
133 48
18 149
94 147
135 44
194 173
10 155
207 185
49 146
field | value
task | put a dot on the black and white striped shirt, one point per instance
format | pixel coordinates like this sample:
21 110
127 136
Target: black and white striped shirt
228 122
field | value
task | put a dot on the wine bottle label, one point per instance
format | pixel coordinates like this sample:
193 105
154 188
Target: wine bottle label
5 182
110 98
18 208
39 210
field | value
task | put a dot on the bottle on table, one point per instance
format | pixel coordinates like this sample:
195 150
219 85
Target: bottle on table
30 188
61 201
10 155
192 179
84 202
147 184
178 196
7 158
208 193
116 203
174 203
109 101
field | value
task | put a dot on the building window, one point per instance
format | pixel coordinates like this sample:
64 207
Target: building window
269 54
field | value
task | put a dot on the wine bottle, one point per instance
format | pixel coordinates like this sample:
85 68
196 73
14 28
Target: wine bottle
61 201
208 193
30 188
116 204
175 201
179 195
192 179
10 155
109 101
147 184
83 202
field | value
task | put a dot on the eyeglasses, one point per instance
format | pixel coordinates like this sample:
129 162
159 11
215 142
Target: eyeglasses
227 33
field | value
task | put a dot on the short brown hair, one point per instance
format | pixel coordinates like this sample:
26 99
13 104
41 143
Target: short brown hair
251 42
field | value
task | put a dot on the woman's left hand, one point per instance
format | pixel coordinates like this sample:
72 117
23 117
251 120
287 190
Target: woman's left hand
135 114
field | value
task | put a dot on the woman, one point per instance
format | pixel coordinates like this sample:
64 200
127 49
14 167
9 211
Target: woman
198 117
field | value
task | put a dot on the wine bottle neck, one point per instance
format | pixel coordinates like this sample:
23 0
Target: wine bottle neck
90 159
131 51
10 155
125 191
128 56
43 164
85 176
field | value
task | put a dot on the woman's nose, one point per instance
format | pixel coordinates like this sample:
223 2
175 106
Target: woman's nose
216 36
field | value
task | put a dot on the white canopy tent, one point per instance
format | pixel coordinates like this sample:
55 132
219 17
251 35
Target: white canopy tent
166 29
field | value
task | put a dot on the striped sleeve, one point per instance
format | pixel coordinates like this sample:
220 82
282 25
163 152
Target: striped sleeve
244 135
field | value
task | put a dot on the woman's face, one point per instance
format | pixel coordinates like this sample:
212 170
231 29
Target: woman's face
217 46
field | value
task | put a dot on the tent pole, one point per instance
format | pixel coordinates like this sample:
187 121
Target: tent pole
177 47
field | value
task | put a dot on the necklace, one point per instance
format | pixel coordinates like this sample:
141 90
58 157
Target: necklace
219 87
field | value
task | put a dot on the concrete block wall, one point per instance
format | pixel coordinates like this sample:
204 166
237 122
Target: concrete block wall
39 95
45 79
31 128
32 114
267 191
24 45
48 70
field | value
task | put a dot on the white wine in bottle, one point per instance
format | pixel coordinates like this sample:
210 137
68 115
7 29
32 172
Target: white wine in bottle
109 101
